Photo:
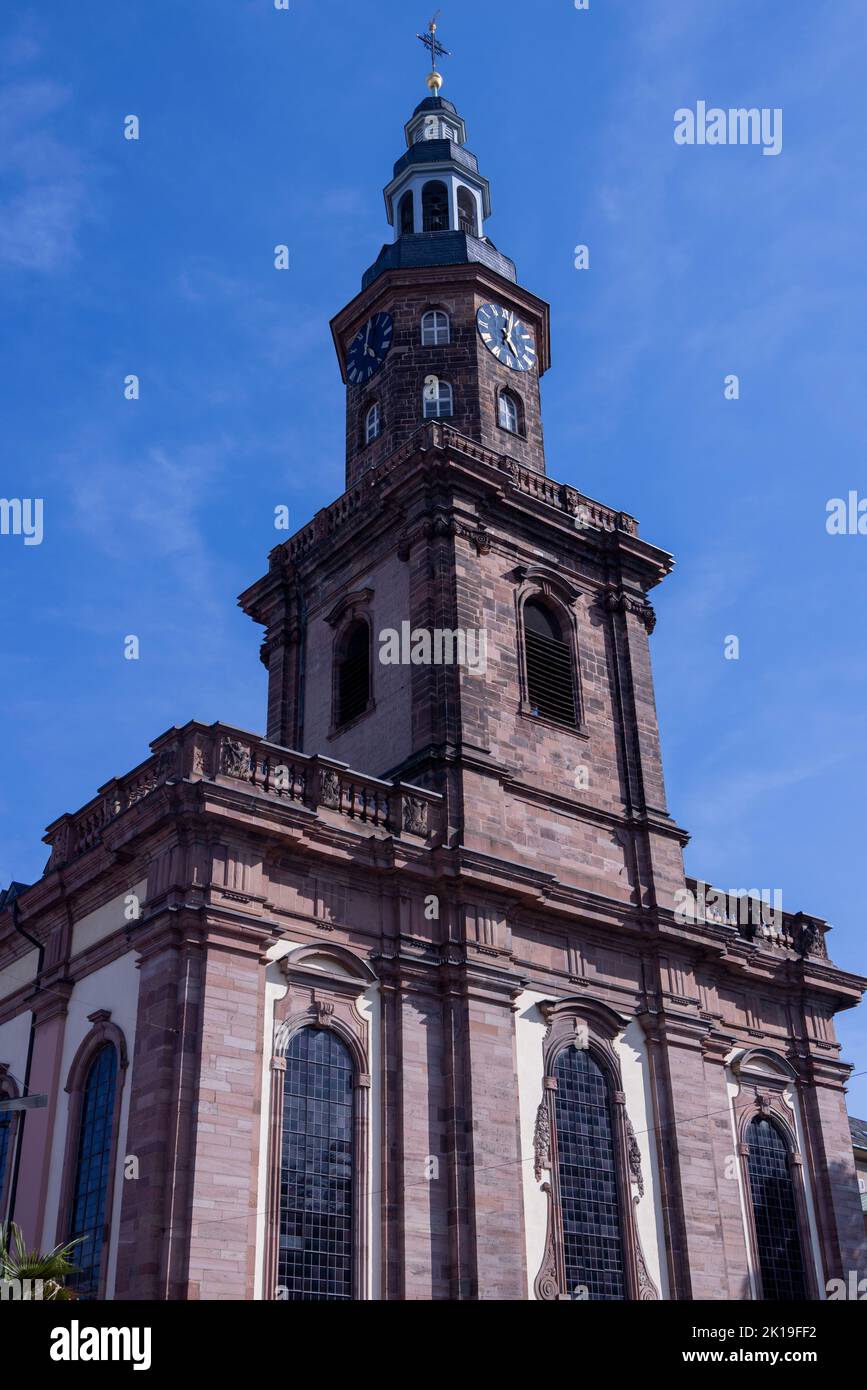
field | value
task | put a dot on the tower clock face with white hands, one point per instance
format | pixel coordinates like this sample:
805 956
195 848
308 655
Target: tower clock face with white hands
510 340
369 348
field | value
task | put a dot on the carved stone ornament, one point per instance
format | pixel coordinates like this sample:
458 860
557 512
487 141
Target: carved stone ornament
542 1139
324 1012
329 793
443 526
634 1154
546 1285
618 601
647 1290
236 758
811 941
415 815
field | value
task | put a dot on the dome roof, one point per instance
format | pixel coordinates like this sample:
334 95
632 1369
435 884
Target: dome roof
435 104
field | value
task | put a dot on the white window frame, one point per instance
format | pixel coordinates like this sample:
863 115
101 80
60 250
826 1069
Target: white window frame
433 332
508 413
372 423
443 406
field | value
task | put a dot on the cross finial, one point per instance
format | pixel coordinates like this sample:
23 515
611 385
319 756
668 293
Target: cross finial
436 50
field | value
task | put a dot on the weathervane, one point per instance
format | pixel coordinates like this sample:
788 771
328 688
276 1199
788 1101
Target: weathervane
432 43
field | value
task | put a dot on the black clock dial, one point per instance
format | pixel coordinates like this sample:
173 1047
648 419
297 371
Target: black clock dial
369 348
504 335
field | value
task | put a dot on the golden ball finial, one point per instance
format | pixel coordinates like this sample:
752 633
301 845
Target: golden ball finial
434 81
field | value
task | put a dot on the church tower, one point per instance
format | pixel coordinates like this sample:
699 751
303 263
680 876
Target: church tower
441 328
459 622
543 740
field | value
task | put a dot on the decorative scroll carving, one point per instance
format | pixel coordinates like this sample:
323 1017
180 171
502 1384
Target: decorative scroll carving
443 526
647 1290
546 1285
324 1012
618 601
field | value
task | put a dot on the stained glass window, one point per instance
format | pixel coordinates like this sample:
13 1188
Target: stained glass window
314 1259
776 1218
587 1179
92 1174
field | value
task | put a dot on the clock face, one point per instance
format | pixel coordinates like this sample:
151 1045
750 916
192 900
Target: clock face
369 348
510 340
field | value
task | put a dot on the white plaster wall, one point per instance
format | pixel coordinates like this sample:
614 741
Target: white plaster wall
14 1038
114 987
104 921
19 973
369 1007
529 1034
631 1049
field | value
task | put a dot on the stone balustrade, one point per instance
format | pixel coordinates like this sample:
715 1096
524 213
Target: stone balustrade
435 435
221 753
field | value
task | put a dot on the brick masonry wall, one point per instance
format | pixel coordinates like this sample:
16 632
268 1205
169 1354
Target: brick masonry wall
465 363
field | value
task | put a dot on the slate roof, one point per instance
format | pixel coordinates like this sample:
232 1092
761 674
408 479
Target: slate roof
438 248
858 1130
8 895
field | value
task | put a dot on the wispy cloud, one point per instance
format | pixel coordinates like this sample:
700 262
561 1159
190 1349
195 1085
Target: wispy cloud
44 196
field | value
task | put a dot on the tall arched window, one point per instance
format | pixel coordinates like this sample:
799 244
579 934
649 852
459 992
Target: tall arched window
353 672
550 671
775 1213
435 328
7 1142
92 1176
315 1250
406 214
435 207
372 423
509 412
467 220
438 402
587 1183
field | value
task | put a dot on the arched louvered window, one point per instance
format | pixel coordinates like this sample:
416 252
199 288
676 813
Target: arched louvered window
775 1213
467 220
438 401
372 423
588 1192
435 207
509 412
315 1251
92 1177
435 328
550 670
353 672
406 214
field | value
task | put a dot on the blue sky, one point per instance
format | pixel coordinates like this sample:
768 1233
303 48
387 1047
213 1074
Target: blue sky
260 127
